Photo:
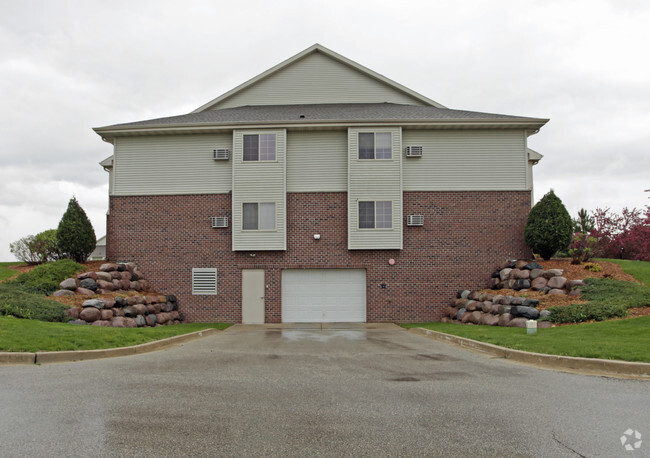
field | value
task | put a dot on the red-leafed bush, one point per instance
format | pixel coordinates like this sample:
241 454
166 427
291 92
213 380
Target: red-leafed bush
625 236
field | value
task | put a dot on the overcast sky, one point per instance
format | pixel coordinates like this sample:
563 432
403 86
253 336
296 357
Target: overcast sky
68 66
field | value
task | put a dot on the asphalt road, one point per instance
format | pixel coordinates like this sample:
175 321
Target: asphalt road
353 391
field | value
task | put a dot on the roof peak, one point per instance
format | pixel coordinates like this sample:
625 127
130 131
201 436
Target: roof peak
318 48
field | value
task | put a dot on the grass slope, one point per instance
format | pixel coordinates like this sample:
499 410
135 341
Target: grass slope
33 335
6 272
627 340
638 269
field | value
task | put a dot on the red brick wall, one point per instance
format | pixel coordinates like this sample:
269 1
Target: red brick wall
464 237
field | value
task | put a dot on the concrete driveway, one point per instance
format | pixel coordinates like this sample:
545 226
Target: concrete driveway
311 390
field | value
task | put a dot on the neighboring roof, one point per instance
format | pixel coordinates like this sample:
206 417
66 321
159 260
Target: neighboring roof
297 115
107 163
534 156
101 241
317 48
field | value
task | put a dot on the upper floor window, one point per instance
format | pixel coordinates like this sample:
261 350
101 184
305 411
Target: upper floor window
259 147
375 215
375 145
258 216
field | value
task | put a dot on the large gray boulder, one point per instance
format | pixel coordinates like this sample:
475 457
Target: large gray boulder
553 273
108 267
96 303
531 303
88 283
557 282
523 311
69 283
518 322
533 266
535 273
504 319
105 276
521 284
63 292
539 283
90 314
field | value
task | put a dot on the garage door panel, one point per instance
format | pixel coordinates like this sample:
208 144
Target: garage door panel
323 295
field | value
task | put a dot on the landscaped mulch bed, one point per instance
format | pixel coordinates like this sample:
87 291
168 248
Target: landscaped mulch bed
575 272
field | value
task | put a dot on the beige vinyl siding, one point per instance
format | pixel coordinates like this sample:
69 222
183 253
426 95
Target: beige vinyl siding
171 164
374 180
317 161
317 78
466 160
259 182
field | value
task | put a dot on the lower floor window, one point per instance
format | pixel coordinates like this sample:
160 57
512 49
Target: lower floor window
258 216
375 215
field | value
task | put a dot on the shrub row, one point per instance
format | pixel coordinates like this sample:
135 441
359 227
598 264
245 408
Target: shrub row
22 304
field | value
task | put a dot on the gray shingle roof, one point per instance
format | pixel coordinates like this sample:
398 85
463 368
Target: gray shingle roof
379 112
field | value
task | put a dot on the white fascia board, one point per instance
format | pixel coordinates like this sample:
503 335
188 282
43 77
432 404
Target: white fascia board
158 129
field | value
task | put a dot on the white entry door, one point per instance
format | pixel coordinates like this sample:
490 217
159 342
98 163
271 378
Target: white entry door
324 295
253 289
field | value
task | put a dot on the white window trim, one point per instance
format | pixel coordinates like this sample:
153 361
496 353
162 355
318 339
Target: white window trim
258 135
374 145
259 214
375 214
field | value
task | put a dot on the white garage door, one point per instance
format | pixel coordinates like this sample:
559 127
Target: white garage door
324 296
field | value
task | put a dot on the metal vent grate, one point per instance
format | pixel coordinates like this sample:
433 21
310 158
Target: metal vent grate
219 221
221 154
204 281
413 151
415 220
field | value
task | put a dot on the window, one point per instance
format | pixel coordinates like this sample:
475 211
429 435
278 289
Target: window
375 145
258 216
375 215
204 281
259 147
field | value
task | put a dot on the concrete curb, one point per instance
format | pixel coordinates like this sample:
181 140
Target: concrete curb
43 357
588 366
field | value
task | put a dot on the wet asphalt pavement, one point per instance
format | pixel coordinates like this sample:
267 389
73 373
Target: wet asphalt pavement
344 390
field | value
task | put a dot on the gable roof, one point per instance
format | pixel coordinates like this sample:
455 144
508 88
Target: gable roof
321 114
313 50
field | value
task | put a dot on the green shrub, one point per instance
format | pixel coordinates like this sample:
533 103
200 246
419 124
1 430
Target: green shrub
607 298
19 303
46 246
549 227
75 235
577 313
45 279
593 267
613 291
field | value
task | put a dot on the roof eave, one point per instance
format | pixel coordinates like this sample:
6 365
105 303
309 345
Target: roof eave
523 123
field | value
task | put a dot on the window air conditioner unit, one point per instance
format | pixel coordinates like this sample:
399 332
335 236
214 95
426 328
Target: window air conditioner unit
221 154
415 220
413 151
219 221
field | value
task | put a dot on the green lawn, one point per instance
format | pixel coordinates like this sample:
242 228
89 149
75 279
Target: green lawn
32 335
5 272
638 269
627 340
